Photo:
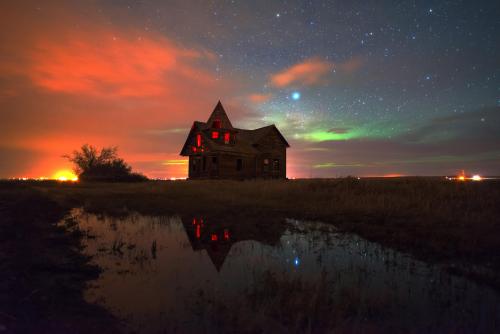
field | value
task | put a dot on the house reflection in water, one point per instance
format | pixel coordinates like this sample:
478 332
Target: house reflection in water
217 237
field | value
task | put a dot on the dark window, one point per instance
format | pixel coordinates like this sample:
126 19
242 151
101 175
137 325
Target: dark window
194 165
266 165
239 164
204 163
276 164
216 124
214 164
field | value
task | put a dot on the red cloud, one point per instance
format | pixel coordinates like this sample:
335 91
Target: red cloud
312 71
259 98
108 65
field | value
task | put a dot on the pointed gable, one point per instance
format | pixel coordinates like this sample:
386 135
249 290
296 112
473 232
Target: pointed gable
219 119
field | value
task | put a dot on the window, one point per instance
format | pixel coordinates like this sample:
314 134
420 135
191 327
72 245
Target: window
204 163
215 134
194 165
239 164
226 138
276 164
198 140
266 165
216 124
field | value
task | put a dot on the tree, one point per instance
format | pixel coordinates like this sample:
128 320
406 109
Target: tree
104 165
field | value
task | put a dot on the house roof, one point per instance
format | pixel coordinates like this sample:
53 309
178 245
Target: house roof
246 139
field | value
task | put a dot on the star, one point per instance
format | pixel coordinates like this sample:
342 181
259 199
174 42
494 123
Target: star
295 96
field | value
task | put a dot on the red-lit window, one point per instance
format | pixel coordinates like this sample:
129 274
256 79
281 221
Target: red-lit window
226 234
215 134
216 124
198 231
194 148
226 138
198 140
213 237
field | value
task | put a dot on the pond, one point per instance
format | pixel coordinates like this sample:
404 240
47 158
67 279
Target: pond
192 274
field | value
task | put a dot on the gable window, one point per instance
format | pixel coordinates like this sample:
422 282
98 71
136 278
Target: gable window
226 138
198 139
216 124
215 134
276 164
239 164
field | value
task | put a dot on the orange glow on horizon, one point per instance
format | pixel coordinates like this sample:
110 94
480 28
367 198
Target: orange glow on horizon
65 175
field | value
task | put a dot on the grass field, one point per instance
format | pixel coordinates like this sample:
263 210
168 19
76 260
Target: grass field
437 220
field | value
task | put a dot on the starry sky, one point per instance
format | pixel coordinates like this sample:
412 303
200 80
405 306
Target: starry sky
365 88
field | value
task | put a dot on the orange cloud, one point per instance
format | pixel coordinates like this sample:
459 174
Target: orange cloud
259 98
108 65
312 71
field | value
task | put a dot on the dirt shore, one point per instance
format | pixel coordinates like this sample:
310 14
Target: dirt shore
43 272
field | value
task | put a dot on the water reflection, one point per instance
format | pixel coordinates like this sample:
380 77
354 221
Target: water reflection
217 237
200 274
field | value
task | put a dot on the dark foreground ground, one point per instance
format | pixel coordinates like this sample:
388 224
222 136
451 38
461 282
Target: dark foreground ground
456 224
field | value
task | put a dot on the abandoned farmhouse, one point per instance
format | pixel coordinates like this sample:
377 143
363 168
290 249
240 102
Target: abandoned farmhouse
217 150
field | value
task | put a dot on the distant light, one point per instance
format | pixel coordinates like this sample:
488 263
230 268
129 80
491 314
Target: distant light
296 261
461 178
476 178
65 175
295 96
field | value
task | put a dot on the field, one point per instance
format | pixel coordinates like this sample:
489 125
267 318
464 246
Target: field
456 224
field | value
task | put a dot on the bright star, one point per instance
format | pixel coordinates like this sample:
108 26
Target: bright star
295 96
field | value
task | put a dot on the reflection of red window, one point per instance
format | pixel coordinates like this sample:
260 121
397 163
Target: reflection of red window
213 237
226 234
198 140
215 134
216 124
226 138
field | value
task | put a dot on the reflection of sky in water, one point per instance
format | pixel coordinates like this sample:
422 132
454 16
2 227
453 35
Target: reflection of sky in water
157 271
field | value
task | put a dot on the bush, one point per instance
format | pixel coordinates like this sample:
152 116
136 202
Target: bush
104 165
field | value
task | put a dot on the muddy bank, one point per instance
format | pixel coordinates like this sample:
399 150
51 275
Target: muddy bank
43 271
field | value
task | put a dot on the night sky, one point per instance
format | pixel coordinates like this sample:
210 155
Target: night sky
360 88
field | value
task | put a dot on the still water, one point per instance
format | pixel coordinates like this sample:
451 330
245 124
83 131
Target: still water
192 274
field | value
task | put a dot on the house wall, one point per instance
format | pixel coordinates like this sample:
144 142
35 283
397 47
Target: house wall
272 148
229 166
